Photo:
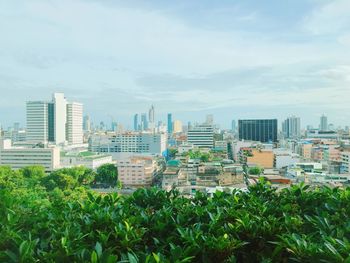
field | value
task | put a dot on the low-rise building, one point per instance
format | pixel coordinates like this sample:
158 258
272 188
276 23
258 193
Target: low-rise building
88 159
136 171
261 158
20 157
345 162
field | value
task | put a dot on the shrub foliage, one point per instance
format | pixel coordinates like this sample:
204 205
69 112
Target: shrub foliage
77 225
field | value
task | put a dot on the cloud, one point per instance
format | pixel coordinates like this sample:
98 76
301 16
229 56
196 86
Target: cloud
329 18
118 57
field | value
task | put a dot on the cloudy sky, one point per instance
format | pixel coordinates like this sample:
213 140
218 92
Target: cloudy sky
235 59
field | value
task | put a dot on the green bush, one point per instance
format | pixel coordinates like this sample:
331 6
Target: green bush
262 225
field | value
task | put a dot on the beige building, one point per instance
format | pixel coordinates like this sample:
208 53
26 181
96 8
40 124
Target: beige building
136 171
306 151
177 126
261 158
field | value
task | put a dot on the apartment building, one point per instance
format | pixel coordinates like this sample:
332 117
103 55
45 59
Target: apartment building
136 171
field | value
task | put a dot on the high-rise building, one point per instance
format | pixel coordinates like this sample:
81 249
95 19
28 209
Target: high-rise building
74 131
233 125
47 121
87 123
177 126
323 123
201 136
170 123
209 119
151 114
144 122
60 117
136 122
37 121
258 130
291 127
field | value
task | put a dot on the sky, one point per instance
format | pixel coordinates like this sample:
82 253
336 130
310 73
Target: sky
234 59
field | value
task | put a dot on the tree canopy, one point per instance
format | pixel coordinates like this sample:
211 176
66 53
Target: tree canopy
296 224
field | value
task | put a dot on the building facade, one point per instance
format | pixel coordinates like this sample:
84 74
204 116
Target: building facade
291 128
258 130
136 171
201 136
56 121
74 131
18 158
129 143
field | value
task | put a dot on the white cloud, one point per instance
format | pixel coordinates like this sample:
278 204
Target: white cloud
329 18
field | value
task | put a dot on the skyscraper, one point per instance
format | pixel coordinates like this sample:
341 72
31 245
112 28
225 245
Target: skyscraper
170 123
144 122
233 125
48 121
74 132
177 126
60 117
291 127
151 114
37 121
87 123
136 122
323 123
258 130
209 119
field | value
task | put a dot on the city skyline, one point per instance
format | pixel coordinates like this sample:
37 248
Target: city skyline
232 60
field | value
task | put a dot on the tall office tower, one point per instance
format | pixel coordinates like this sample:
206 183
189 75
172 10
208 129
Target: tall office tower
47 121
323 123
189 125
151 114
233 125
144 122
291 127
87 123
177 126
37 121
170 123
16 126
60 117
201 136
136 122
74 123
258 130
209 119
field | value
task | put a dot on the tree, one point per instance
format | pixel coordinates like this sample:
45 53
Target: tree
255 170
107 174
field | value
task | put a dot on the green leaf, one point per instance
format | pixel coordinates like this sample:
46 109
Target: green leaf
93 257
98 248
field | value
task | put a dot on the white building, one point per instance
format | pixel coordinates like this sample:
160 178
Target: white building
136 171
55 122
201 136
285 158
75 123
18 158
323 123
122 145
37 121
86 159
60 118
